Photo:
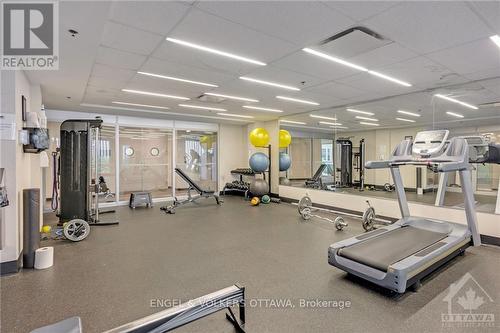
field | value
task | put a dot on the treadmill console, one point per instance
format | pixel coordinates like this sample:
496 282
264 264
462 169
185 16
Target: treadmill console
429 143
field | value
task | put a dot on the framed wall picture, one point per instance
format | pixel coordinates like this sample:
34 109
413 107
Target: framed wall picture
23 106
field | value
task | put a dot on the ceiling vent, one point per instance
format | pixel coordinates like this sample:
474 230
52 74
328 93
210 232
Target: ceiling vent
352 42
211 99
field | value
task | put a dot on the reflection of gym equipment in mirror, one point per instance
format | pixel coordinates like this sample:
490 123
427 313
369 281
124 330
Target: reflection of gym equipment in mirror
154 151
399 255
349 162
202 194
370 221
79 159
480 152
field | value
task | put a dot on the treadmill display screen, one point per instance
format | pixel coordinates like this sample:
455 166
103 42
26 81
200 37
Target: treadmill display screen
429 143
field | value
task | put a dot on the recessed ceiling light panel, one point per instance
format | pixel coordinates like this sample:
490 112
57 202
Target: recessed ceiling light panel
267 83
290 99
232 97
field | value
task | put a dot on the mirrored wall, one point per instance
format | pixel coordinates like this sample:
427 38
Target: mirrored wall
330 146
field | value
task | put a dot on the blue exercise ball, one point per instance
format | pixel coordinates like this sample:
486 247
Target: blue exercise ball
259 162
285 161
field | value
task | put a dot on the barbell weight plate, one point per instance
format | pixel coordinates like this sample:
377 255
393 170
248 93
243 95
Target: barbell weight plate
340 223
306 213
305 202
369 219
76 230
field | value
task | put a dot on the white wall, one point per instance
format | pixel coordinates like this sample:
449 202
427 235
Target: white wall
22 170
232 151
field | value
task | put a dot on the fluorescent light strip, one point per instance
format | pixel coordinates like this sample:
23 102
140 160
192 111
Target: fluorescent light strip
279 85
387 77
360 68
140 92
296 100
261 109
342 127
192 115
334 59
496 39
328 123
201 107
456 101
408 113
178 79
142 105
234 115
370 124
292 122
361 112
322 117
214 51
232 97
366 118
407 120
454 114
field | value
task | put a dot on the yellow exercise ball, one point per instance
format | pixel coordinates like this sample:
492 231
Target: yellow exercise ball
285 138
259 137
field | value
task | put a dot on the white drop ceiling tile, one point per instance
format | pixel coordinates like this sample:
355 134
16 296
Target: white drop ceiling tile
309 64
415 71
175 69
106 83
118 74
469 58
201 60
489 11
337 90
118 58
148 83
154 16
281 76
360 10
212 31
484 74
129 39
375 84
429 26
383 56
301 23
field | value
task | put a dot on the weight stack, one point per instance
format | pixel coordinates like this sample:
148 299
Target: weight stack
31 225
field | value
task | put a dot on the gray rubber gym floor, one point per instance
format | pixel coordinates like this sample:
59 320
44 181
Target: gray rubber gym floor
112 277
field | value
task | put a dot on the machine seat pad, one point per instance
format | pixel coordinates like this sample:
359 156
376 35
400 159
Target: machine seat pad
381 251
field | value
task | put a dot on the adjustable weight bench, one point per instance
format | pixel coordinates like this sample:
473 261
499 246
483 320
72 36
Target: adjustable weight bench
170 209
315 181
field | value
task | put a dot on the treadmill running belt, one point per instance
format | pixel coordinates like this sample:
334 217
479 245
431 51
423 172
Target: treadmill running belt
382 251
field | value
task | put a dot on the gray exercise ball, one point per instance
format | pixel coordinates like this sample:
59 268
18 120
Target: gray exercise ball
259 187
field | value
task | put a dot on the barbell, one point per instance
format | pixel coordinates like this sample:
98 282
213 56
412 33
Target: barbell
369 218
306 211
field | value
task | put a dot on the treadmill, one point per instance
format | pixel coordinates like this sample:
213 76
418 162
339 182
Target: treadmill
399 255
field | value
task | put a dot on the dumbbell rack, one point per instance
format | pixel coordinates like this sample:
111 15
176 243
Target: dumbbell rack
241 172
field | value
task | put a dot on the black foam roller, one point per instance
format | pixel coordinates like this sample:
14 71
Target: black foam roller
31 225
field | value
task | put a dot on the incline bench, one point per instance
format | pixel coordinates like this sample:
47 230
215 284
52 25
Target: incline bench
192 187
315 181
